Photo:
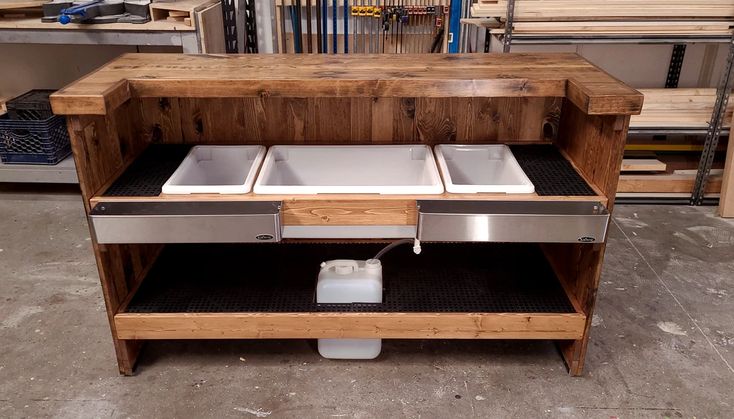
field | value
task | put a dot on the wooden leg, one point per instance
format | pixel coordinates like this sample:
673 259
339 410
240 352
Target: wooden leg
578 266
127 354
121 269
102 147
595 144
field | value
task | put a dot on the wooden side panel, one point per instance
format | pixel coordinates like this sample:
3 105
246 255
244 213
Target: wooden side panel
102 147
596 146
329 120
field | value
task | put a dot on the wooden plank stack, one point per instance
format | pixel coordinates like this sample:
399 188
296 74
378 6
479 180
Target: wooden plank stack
678 108
647 27
16 9
183 11
545 10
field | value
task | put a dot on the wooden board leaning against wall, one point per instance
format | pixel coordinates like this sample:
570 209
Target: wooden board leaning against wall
726 205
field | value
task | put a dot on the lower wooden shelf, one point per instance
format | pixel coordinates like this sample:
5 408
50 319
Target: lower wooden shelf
450 291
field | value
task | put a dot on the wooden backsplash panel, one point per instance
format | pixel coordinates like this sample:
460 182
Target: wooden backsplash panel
339 120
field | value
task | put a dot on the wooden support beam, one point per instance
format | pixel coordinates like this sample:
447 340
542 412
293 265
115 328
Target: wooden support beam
349 325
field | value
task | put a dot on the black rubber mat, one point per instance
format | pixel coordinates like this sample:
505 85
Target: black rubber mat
491 278
549 171
147 174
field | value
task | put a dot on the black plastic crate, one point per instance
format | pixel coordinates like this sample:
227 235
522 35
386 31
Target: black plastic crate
33 105
37 142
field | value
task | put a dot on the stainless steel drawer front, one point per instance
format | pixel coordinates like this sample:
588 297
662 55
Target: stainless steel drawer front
187 222
512 221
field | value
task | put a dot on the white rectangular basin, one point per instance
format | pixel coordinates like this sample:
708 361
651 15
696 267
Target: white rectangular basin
376 169
216 169
481 168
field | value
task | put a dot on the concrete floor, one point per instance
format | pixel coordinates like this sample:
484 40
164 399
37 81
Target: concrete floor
662 343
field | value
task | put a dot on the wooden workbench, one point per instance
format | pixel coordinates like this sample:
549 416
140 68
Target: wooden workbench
115 113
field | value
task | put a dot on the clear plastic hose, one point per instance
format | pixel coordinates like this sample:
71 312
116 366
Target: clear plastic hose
392 246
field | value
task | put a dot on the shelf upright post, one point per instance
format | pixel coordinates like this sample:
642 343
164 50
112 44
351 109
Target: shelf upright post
229 19
676 64
714 130
507 39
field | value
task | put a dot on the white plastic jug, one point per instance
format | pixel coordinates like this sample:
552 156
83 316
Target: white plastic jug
347 281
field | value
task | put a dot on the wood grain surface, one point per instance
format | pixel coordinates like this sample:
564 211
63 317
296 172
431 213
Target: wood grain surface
349 325
350 76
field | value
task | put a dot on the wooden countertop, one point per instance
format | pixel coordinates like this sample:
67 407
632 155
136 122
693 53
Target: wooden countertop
409 75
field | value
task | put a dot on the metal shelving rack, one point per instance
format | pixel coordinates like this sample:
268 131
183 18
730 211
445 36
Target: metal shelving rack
64 172
715 129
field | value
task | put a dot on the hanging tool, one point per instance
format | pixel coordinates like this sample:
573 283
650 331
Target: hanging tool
283 40
385 26
399 29
334 15
404 20
325 26
394 27
309 34
363 24
296 32
359 41
298 26
354 11
346 26
376 20
319 48
439 24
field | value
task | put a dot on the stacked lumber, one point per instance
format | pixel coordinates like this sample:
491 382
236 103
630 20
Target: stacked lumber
183 11
643 165
678 108
606 9
15 9
670 109
646 27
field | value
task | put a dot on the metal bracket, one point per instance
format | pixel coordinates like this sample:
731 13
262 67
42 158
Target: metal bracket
507 39
229 18
676 64
714 131
250 28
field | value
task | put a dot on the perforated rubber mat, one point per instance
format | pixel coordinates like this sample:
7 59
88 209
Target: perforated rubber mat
549 171
452 277
546 167
147 174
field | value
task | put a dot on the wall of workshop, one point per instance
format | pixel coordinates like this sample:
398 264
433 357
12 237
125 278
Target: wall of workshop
24 67
30 66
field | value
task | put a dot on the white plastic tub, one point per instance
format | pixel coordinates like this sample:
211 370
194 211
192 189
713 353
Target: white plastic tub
383 169
481 168
216 169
